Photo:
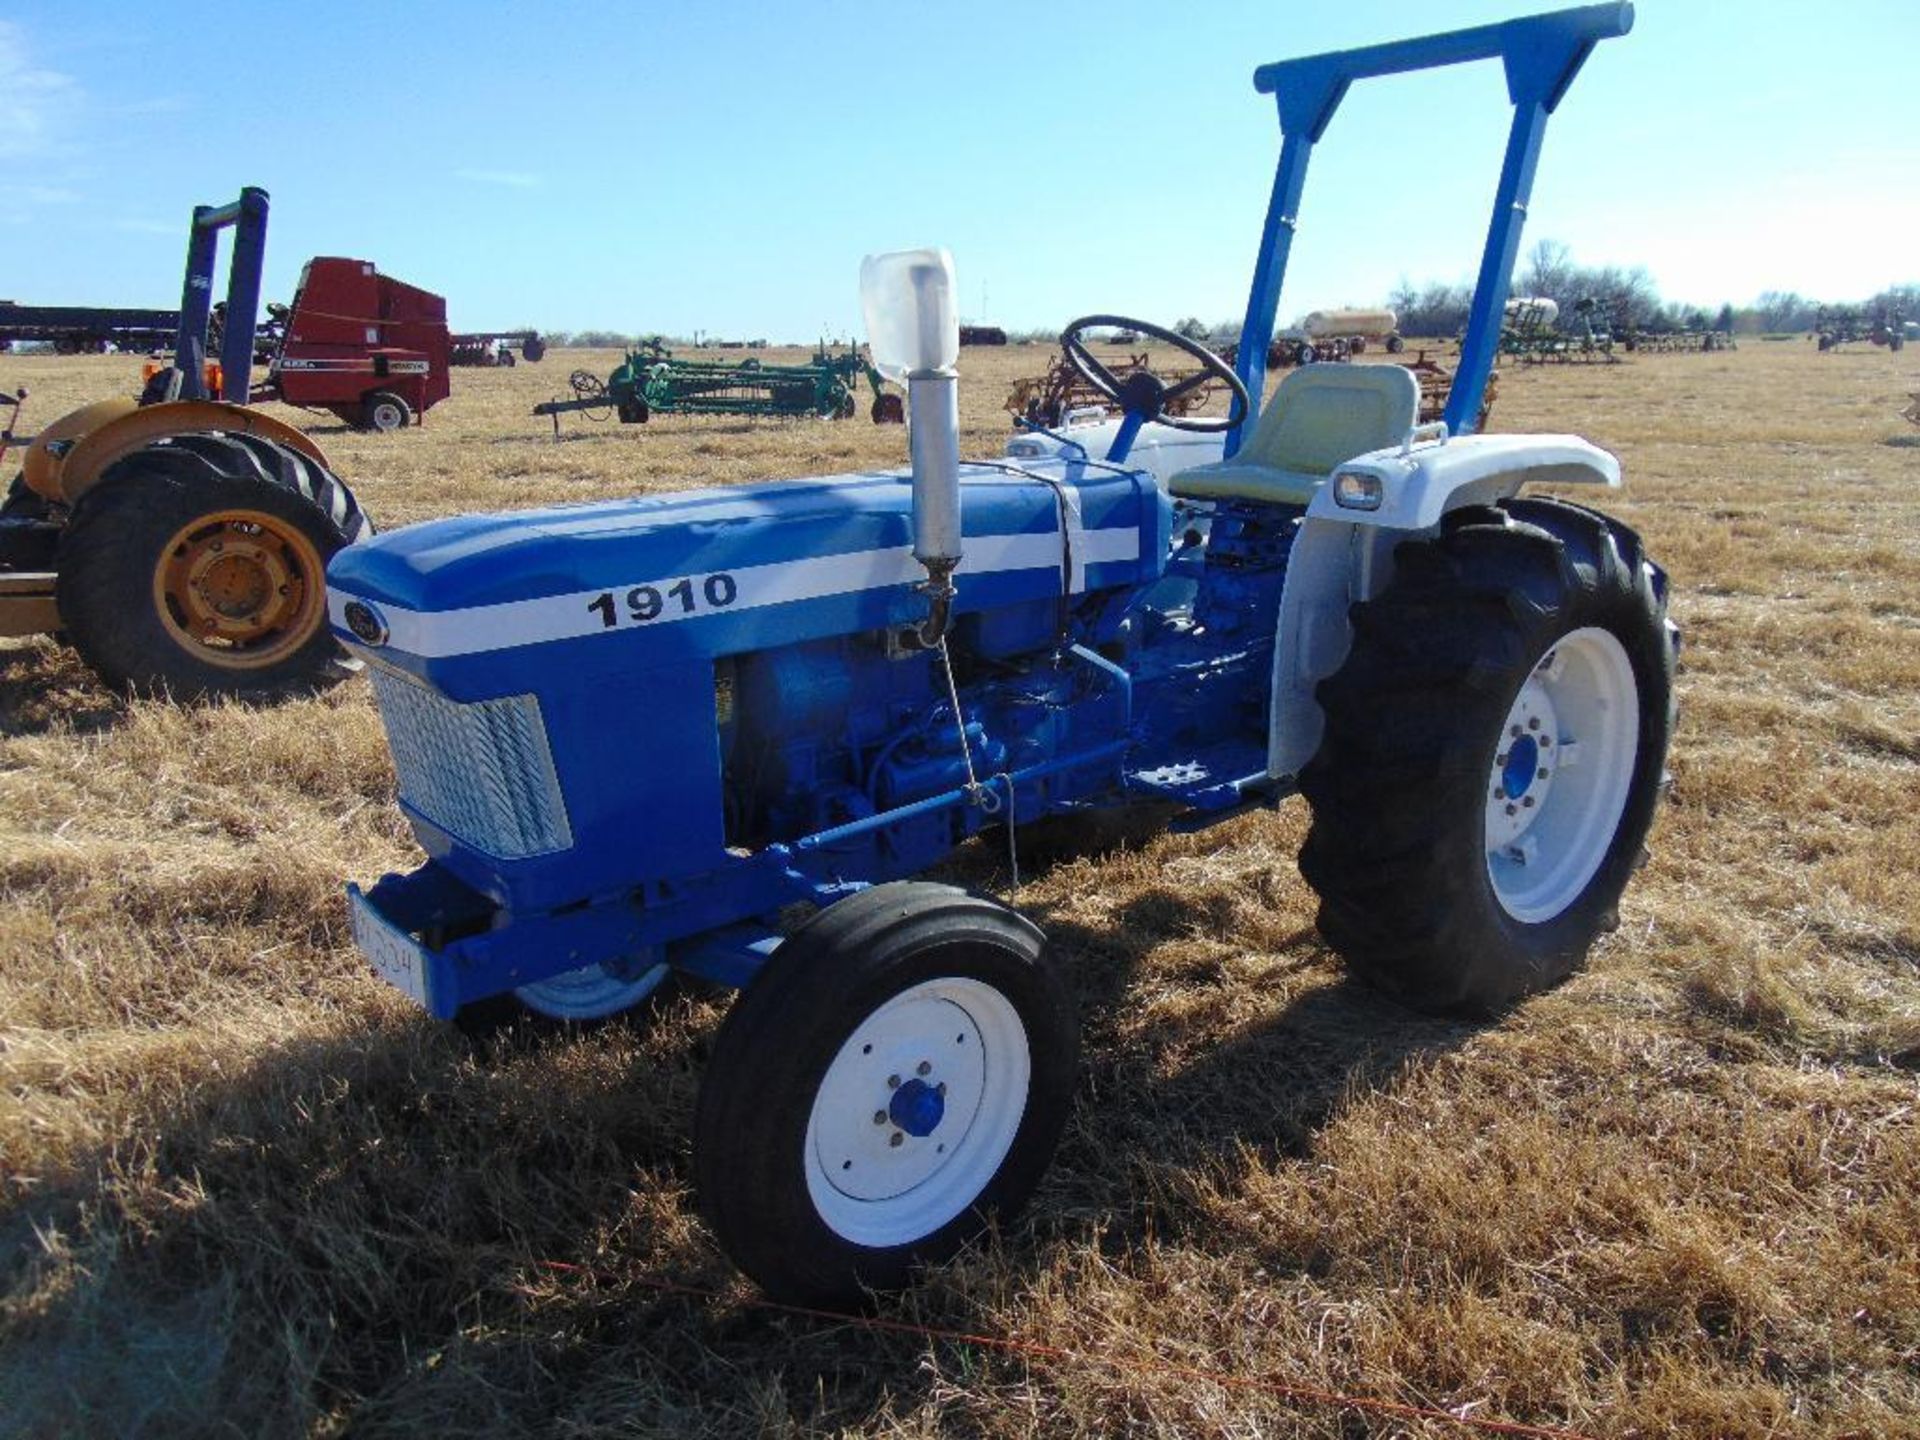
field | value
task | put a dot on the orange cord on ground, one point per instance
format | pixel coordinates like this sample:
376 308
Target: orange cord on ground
1299 1394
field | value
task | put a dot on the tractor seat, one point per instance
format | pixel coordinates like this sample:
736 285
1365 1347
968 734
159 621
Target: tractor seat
1320 418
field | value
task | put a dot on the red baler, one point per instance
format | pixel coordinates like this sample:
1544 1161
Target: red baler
362 345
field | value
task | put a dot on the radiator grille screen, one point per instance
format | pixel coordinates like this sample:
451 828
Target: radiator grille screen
481 772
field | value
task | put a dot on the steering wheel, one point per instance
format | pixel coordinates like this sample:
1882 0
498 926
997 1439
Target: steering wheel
1142 396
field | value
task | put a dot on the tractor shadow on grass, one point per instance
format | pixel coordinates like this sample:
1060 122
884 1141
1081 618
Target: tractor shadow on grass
45 686
1184 1080
389 1227
358 1222
387 1224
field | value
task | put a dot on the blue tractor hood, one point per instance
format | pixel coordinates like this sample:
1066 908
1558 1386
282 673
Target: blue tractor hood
460 602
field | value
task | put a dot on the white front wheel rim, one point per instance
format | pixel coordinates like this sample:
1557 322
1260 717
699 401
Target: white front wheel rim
1561 773
917 1112
592 992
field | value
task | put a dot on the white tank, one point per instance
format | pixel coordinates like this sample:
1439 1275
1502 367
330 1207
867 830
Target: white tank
1322 323
1546 309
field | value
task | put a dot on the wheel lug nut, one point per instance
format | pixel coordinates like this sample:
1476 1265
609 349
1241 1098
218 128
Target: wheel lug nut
1541 774
1516 732
879 1117
1533 722
925 1067
1528 802
893 1082
941 1088
1511 810
1501 758
897 1139
1498 792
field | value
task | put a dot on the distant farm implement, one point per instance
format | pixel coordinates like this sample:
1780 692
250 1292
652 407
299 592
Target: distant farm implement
86 330
652 380
1533 335
1677 342
364 346
1336 334
1064 392
495 348
1837 325
1436 385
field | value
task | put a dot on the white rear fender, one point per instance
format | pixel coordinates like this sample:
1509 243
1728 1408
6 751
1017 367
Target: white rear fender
1420 483
1344 555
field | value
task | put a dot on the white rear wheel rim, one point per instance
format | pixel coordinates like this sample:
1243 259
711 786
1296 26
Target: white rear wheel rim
1561 774
952 1052
590 993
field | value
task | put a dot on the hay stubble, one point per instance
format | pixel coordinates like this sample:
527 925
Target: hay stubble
243 1188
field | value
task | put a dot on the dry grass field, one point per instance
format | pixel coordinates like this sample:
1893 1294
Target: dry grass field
246 1190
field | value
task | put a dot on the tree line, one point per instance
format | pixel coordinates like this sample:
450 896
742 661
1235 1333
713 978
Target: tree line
1626 298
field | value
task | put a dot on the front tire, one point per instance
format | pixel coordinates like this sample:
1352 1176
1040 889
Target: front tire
896 1077
1493 755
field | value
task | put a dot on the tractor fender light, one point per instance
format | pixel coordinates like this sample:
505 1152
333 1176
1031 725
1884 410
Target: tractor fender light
1353 490
1026 448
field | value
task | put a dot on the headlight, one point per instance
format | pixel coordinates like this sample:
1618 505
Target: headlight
1355 491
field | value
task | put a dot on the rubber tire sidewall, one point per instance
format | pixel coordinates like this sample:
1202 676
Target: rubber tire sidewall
1555 947
1482 958
104 589
782 1035
385 397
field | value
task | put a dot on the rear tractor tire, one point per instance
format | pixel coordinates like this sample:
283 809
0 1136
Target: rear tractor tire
896 1077
1493 755
197 566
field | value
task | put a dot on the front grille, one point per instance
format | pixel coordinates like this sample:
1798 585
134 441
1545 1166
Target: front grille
481 772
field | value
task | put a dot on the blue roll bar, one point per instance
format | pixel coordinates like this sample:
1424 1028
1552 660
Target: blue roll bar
1541 53
248 217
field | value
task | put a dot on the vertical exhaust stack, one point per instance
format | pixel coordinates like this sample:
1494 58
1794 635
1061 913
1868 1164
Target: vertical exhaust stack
913 332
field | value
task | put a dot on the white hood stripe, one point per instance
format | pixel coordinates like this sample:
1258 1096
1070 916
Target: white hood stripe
435 635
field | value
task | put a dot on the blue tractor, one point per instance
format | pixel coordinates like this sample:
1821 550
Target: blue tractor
634 738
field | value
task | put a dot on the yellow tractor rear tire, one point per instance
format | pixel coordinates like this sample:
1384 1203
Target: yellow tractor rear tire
196 566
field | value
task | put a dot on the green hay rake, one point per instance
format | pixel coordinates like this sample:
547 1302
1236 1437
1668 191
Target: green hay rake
653 381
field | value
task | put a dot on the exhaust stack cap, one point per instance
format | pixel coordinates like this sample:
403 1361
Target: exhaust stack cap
913 336
907 299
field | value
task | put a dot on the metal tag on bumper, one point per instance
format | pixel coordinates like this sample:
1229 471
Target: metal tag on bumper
396 956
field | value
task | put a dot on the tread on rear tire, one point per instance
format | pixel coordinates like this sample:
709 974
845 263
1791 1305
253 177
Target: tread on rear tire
125 527
1403 849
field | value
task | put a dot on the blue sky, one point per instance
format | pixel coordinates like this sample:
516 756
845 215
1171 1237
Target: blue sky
724 167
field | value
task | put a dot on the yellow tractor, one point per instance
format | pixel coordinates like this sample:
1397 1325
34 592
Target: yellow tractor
179 542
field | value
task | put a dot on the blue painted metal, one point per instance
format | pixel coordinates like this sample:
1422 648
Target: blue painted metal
1523 758
684 713
1541 54
1269 273
917 1108
1124 437
248 217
